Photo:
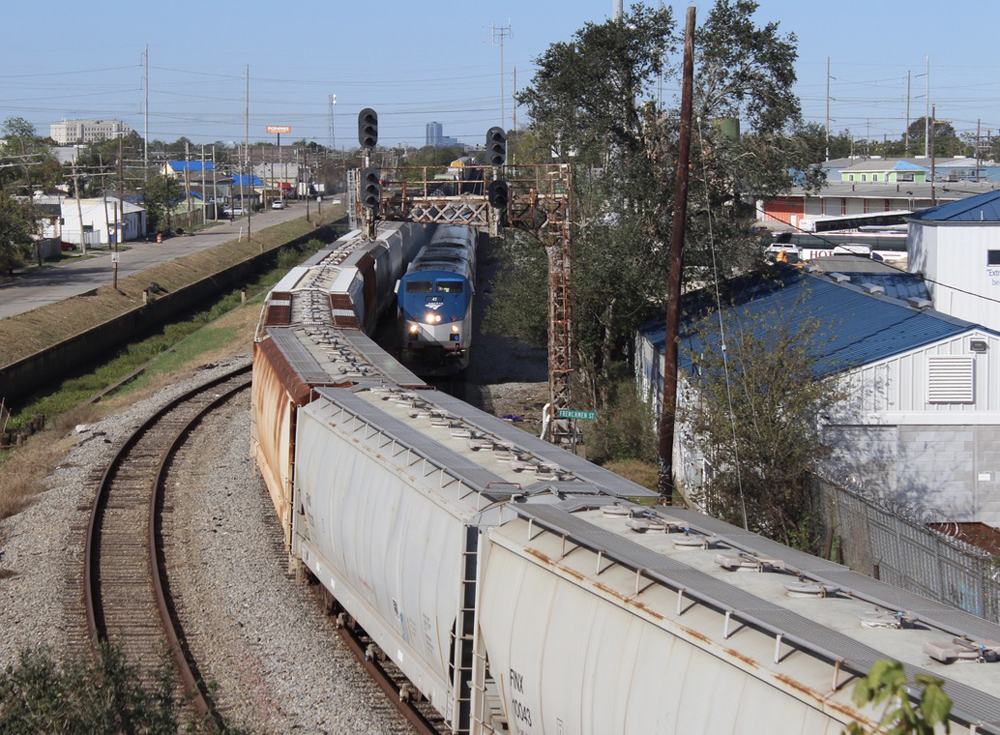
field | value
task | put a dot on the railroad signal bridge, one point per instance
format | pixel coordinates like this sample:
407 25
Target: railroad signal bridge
535 198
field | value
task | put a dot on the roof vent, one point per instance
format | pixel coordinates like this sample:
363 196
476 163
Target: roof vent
883 619
961 649
811 268
839 278
615 509
695 541
978 345
872 289
918 303
810 589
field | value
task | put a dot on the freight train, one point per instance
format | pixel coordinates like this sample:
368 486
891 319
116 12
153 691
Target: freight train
435 299
522 589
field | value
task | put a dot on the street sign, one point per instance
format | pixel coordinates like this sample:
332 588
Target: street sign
279 129
115 257
568 413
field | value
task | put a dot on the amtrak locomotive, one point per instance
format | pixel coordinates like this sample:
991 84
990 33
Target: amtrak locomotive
435 303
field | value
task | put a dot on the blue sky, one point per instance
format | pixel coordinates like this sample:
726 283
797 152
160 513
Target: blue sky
418 62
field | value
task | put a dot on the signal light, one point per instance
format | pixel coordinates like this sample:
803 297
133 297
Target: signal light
371 188
368 127
498 194
496 146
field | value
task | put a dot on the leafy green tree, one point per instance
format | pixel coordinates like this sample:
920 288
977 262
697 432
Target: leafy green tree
27 159
18 222
160 195
752 412
885 685
598 95
946 141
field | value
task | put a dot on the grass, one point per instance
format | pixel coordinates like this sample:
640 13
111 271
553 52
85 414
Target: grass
220 331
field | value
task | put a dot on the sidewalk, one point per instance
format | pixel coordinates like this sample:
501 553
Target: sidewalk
40 287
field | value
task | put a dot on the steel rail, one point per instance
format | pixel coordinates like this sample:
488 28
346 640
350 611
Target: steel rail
92 593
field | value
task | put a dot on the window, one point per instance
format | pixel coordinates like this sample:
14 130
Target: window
949 379
904 177
993 257
419 287
449 286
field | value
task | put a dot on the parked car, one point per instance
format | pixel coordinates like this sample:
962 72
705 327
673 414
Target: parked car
233 212
278 204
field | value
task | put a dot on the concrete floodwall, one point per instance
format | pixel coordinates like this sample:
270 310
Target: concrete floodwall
63 358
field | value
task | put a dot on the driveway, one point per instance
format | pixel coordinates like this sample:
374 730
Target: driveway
48 285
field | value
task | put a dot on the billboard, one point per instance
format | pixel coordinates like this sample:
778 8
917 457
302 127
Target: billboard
279 129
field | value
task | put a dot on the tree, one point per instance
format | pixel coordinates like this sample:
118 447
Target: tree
29 161
18 222
886 684
946 141
752 410
598 95
104 697
160 195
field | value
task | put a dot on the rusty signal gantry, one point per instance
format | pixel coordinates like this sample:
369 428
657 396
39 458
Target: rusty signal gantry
540 203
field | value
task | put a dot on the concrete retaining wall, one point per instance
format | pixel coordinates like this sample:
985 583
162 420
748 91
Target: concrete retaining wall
63 358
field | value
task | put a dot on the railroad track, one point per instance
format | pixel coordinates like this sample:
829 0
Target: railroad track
125 587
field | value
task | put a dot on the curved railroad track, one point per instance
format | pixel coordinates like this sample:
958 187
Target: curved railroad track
125 592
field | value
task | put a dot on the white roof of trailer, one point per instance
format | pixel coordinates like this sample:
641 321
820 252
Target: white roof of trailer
829 626
485 455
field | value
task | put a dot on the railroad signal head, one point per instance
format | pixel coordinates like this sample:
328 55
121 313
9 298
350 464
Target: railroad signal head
371 188
498 194
368 128
496 146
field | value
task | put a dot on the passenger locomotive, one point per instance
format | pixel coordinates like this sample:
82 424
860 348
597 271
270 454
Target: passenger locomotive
522 589
435 299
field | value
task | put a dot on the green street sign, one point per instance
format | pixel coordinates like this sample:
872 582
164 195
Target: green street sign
568 413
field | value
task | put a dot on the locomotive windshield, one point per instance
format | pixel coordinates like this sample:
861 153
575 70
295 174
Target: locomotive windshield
420 287
450 286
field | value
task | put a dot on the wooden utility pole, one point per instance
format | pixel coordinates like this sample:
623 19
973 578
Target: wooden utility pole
906 132
246 135
668 409
120 208
79 210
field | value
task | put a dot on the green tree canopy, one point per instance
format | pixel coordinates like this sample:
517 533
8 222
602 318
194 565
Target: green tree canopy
160 194
18 222
599 95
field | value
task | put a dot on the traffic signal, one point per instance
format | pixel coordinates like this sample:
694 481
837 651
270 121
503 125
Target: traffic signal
498 194
371 188
368 128
496 146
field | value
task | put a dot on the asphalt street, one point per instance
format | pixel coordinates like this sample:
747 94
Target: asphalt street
48 285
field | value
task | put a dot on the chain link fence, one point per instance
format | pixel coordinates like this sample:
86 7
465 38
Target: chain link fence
892 542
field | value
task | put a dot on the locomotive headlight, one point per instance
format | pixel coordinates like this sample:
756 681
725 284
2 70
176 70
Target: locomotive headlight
437 318
414 328
454 328
429 318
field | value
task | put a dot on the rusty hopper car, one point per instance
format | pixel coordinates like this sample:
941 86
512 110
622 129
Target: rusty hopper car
310 334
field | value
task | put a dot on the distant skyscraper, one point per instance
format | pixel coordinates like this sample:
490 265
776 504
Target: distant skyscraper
434 133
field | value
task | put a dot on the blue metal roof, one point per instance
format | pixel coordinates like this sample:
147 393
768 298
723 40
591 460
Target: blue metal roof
858 328
244 180
907 166
979 208
180 166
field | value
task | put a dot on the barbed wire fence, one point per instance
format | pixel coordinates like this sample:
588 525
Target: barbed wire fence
893 542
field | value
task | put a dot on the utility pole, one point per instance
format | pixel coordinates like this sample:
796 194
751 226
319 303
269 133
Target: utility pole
120 207
668 412
514 98
215 196
333 129
204 194
79 210
499 34
933 125
145 110
979 132
906 132
927 113
187 178
246 135
828 108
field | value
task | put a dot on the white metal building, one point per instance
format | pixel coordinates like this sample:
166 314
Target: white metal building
923 421
956 246
98 217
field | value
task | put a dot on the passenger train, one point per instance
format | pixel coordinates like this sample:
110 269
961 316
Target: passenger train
522 589
435 299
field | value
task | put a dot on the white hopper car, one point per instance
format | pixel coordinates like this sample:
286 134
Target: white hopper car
521 590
